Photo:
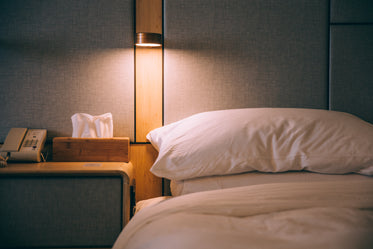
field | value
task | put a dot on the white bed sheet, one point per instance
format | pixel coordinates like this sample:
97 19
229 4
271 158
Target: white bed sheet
335 214
254 178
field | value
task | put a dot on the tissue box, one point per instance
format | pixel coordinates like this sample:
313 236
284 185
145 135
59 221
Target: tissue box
68 149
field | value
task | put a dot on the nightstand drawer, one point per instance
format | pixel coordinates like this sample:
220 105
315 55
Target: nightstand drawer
56 208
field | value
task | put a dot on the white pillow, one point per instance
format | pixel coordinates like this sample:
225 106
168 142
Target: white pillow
264 139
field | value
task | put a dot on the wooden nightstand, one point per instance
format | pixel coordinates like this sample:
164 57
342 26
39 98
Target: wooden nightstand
64 204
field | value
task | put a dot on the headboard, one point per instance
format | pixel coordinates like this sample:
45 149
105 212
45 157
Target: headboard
265 53
351 57
58 58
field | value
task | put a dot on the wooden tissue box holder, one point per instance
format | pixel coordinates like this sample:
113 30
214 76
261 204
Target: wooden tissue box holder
69 149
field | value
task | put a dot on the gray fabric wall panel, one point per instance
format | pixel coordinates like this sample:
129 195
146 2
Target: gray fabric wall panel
351 11
351 70
58 58
253 53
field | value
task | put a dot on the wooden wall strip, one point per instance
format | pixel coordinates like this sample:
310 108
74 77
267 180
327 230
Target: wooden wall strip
149 16
148 91
149 99
149 67
147 184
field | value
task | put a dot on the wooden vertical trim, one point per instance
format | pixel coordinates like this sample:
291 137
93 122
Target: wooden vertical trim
149 102
149 99
149 70
149 16
147 184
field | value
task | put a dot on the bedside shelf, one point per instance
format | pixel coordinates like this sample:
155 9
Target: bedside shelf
81 168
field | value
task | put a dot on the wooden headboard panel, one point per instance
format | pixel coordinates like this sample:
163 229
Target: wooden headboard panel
265 53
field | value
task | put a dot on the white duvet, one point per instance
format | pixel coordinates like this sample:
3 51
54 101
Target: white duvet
283 215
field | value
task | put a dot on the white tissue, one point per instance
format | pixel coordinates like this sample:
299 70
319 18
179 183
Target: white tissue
85 125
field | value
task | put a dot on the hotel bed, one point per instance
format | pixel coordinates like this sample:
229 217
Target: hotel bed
260 178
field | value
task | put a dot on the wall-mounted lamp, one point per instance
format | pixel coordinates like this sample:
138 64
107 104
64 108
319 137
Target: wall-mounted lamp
144 39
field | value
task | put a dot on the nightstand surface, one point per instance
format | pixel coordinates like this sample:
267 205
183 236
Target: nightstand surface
81 168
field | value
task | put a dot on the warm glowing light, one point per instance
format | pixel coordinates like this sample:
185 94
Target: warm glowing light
148 45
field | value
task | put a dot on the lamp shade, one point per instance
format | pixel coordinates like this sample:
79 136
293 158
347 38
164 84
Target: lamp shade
148 39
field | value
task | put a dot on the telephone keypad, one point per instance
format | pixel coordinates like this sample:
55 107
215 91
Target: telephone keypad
31 143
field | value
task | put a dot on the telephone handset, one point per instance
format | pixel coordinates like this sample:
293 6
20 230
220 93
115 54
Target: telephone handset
23 144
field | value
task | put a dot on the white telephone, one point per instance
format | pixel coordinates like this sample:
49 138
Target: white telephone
23 144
